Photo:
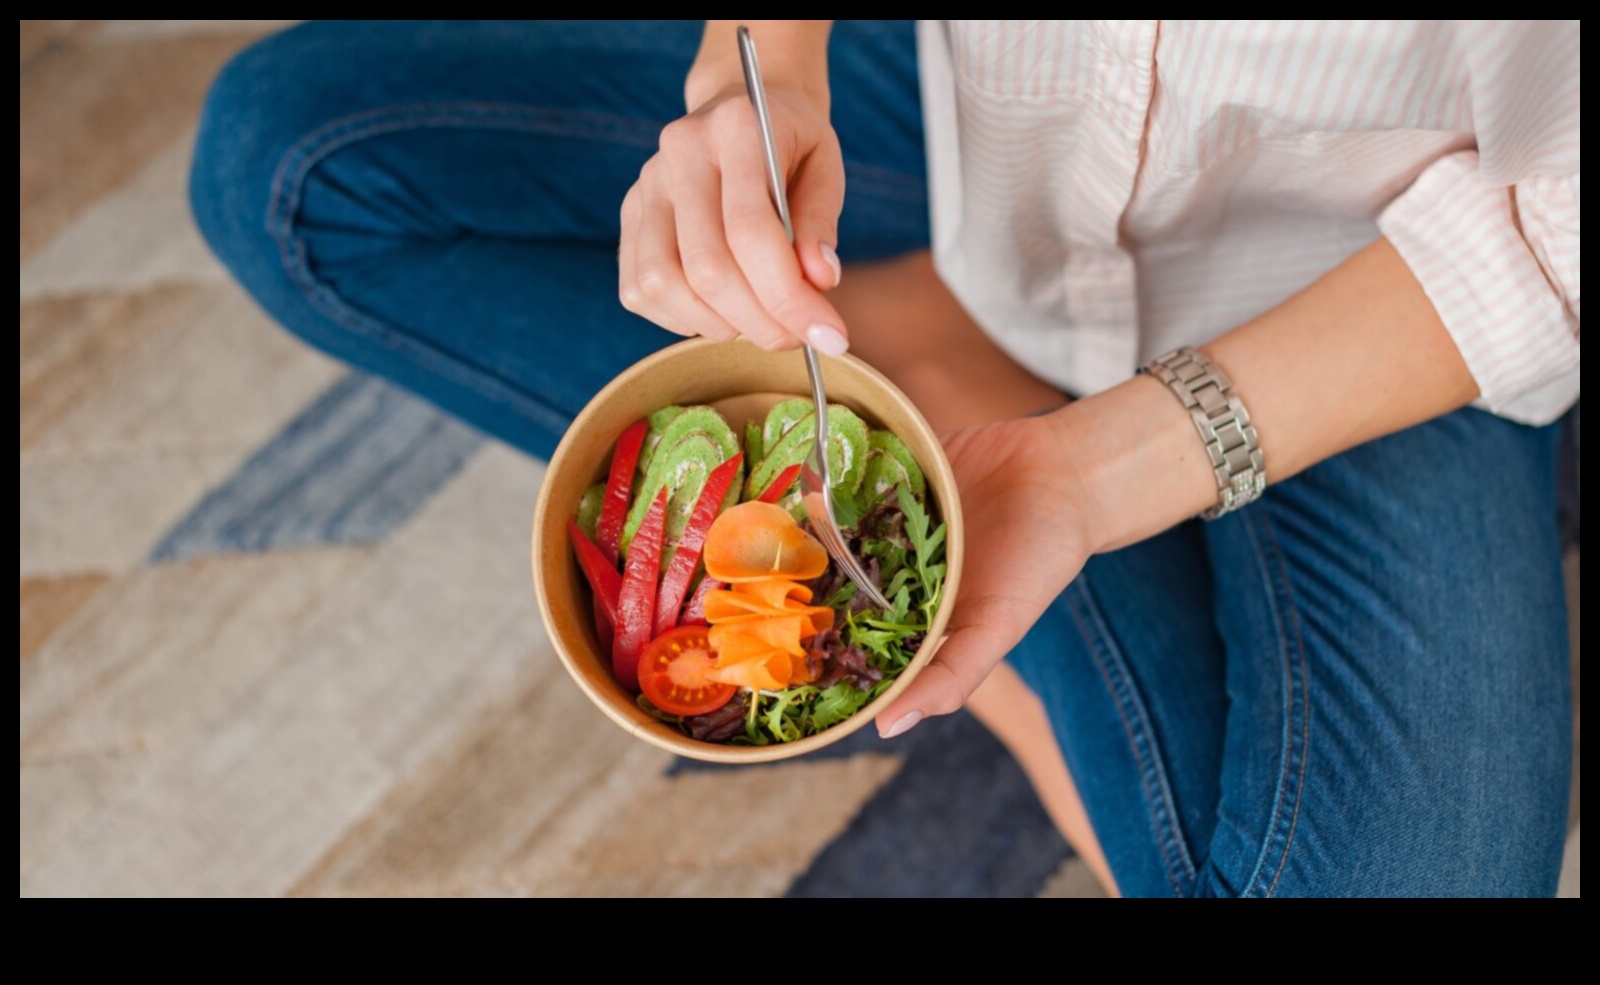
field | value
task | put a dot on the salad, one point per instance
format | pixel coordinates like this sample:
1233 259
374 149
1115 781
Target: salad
720 610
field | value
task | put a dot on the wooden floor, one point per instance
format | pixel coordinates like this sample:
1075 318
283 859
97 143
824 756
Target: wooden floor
263 653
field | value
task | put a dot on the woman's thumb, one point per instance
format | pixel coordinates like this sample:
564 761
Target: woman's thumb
958 666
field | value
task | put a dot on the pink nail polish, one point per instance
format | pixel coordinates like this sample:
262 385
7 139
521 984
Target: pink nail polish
904 724
832 259
827 340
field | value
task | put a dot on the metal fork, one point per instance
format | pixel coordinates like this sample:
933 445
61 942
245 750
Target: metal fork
814 478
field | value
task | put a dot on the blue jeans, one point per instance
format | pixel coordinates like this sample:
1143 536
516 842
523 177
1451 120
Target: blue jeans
1358 685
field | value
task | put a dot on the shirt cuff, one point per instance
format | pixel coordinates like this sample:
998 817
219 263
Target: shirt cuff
1463 241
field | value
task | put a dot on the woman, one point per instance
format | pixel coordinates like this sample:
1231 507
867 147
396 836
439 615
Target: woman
1354 682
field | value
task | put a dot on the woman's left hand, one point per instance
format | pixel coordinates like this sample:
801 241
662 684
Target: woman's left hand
1026 538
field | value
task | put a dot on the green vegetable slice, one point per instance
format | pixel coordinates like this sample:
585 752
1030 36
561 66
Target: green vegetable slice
696 441
847 453
889 464
659 421
752 442
784 415
589 508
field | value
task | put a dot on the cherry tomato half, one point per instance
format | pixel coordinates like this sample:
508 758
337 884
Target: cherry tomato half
672 673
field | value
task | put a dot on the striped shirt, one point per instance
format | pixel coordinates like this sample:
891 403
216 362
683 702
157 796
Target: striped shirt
1104 192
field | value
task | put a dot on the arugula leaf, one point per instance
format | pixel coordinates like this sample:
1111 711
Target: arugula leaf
841 599
837 703
928 548
916 518
900 580
845 509
877 642
785 721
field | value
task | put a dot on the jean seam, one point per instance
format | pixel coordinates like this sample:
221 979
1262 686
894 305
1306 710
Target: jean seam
1295 748
1153 782
301 159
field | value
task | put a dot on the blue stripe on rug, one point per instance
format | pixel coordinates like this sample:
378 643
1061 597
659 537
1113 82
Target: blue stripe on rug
958 819
350 469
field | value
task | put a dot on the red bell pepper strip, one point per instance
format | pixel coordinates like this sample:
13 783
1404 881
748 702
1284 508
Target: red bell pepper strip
695 613
675 583
603 578
780 485
636 603
619 488
613 511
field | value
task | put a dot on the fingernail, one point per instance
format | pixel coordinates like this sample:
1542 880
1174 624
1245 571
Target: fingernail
904 725
827 340
832 259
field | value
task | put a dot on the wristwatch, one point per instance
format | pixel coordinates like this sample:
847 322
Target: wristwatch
1222 421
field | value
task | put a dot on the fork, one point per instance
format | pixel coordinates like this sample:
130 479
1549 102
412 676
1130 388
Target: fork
814 478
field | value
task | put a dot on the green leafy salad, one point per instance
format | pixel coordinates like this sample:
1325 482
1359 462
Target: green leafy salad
719 608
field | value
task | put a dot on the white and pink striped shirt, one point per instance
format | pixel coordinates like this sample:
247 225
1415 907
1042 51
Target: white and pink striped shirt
1106 191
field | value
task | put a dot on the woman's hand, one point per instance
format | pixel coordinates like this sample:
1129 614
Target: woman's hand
1026 538
703 251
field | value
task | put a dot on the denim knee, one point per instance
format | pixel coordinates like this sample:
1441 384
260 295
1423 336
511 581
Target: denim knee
245 130
268 102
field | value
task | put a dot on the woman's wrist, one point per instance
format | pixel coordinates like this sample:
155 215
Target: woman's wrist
1358 354
1133 460
794 57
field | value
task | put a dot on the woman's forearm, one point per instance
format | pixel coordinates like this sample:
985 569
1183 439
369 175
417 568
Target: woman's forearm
793 54
1357 355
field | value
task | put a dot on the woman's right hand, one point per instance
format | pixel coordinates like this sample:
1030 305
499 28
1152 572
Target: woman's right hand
703 251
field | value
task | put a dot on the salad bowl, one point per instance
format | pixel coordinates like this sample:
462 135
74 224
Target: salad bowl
742 382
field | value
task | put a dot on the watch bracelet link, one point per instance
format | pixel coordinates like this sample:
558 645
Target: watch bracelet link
1224 425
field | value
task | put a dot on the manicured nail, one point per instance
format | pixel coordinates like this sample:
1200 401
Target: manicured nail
904 724
831 259
826 339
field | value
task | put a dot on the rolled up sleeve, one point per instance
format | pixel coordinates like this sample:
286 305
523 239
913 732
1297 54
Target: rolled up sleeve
1492 232
1500 264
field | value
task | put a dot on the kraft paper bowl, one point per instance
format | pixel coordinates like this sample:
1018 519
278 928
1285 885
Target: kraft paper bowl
742 381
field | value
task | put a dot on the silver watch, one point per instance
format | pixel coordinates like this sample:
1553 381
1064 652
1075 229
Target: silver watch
1224 425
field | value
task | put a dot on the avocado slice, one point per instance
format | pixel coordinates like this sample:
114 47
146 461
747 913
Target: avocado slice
589 508
696 441
889 464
